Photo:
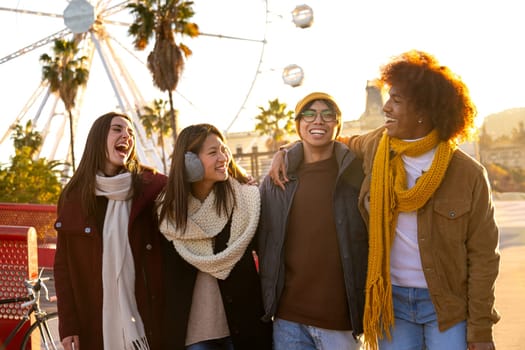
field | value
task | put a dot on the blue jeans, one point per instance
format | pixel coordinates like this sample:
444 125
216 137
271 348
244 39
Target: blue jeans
296 336
416 325
213 344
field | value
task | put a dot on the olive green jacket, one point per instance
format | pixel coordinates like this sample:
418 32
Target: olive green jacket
458 240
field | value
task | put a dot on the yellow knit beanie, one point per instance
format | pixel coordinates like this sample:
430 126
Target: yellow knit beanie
313 97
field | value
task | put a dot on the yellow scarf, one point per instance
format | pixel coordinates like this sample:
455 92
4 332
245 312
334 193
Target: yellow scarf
389 196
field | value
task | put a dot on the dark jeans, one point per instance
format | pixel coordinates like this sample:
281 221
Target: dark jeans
214 344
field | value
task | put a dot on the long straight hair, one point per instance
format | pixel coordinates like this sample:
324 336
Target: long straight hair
94 160
173 201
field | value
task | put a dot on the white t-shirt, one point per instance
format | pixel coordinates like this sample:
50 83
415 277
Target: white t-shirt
405 261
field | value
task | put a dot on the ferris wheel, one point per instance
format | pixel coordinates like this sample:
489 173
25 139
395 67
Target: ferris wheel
119 78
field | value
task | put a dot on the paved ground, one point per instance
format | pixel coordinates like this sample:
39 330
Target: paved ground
510 286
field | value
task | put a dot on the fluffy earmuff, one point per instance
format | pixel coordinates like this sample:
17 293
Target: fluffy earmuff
193 168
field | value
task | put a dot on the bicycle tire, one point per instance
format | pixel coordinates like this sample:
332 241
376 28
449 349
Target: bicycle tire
51 321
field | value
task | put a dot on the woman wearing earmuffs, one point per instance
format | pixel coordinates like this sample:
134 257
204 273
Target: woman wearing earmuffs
208 216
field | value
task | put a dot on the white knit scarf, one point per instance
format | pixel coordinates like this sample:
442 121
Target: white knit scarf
121 323
195 245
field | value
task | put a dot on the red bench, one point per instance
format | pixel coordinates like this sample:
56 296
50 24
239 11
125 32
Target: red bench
18 262
40 216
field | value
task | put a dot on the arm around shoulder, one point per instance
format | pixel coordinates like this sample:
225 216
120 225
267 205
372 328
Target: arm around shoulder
360 144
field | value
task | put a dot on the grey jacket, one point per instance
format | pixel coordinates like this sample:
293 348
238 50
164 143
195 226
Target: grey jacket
351 231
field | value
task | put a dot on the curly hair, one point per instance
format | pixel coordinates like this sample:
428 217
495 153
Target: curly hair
434 90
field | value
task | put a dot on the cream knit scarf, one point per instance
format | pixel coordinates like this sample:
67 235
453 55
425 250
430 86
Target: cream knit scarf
389 196
121 323
195 245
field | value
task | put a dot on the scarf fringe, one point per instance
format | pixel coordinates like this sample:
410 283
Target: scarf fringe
379 315
140 344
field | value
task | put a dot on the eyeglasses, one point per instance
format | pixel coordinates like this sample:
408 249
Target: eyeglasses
327 115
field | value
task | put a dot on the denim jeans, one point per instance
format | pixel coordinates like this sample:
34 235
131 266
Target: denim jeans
296 336
213 344
416 326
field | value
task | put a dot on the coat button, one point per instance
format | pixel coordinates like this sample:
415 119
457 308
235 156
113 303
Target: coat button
149 247
452 213
87 230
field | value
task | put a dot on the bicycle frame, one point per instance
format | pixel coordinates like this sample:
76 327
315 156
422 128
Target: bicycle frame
46 337
41 317
25 318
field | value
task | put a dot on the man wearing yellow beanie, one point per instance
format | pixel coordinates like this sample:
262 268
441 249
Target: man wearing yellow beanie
313 243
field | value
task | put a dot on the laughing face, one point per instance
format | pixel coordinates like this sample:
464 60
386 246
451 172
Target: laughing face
119 145
401 121
318 133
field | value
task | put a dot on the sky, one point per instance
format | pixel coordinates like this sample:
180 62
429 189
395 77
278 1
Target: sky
226 80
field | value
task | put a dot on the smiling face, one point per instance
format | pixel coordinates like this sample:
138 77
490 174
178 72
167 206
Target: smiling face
215 157
318 133
401 120
119 145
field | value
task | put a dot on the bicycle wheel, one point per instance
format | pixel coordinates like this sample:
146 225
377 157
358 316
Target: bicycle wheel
47 329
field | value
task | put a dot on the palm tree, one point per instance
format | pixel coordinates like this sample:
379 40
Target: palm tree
275 122
27 137
163 19
155 118
65 74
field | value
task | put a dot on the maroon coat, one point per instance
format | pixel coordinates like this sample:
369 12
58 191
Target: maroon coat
78 266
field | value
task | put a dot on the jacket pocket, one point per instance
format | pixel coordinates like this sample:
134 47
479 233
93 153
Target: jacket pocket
74 230
451 218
